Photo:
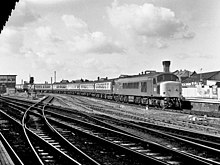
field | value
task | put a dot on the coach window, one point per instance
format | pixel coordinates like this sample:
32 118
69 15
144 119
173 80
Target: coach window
154 81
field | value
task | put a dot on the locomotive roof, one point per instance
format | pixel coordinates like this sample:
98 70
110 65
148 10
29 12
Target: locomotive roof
151 74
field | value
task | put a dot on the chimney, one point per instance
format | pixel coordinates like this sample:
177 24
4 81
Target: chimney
166 66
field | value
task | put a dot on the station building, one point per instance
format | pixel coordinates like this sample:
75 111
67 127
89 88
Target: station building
7 83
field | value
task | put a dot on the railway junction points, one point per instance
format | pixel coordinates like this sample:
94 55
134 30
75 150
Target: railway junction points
134 113
206 119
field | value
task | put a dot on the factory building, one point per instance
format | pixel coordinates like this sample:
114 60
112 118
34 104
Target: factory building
7 83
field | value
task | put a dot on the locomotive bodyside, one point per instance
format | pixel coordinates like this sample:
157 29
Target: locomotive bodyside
135 86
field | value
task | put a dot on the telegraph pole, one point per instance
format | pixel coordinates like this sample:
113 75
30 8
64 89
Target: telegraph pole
55 76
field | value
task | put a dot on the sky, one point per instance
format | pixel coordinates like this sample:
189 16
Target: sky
106 38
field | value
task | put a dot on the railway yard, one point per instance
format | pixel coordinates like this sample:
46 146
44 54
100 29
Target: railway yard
95 94
69 129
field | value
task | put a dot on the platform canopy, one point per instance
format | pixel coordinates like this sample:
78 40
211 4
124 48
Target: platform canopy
6 7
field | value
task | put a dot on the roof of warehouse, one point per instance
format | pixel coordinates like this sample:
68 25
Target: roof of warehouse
5 11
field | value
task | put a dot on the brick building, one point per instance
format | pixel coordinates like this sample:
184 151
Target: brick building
7 83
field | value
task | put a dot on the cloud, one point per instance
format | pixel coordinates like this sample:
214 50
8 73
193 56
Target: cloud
161 44
11 39
45 33
43 2
43 59
95 42
72 22
84 41
100 67
22 15
189 35
195 54
147 21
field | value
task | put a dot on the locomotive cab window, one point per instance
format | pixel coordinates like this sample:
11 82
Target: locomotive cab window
167 77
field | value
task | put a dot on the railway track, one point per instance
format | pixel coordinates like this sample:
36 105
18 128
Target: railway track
62 153
93 105
40 150
126 146
202 145
211 141
211 128
127 141
205 146
13 133
192 123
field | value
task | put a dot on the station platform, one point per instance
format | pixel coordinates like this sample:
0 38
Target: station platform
209 105
5 159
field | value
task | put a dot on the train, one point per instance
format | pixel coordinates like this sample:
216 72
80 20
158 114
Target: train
151 88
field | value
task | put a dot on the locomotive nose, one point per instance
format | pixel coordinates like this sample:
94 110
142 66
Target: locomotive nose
170 89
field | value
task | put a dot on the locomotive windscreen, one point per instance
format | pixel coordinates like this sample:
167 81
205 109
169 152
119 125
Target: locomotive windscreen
167 77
